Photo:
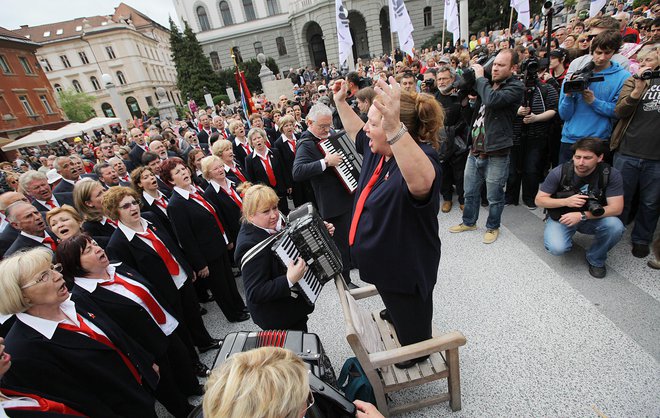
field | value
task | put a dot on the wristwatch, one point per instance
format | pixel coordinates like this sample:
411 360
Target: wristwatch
583 216
398 135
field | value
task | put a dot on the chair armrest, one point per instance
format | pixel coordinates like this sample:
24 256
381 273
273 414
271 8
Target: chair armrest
444 342
363 292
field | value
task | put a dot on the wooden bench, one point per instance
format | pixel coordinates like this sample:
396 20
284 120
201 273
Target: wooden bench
377 348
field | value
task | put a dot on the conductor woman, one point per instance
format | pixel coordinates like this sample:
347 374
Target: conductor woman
393 235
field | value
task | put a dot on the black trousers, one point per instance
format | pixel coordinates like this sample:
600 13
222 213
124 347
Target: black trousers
342 225
192 318
222 284
412 315
453 171
168 392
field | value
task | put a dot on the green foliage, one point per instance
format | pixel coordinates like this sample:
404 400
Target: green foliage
152 112
436 39
78 107
570 4
638 3
221 98
251 69
495 14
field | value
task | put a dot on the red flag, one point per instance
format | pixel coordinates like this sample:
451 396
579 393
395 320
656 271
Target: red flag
246 97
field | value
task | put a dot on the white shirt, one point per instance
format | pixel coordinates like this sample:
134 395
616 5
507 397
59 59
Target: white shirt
38 239
90 284
47 328
180 278
150 200
43 202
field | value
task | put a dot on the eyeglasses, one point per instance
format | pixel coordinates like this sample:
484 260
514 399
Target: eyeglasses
310 400
45 276
128 205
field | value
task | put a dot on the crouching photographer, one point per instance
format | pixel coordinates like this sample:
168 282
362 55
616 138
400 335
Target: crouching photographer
583 195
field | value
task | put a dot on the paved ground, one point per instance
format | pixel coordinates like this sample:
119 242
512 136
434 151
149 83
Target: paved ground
544 338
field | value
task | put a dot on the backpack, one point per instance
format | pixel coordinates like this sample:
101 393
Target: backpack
354 382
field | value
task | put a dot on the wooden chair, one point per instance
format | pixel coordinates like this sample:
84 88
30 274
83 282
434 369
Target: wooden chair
377 348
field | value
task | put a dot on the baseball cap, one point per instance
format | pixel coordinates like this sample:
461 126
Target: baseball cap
322 87
558 53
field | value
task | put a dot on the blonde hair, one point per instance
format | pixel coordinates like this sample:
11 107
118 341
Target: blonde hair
286 119
220 146
232 126
82 192
267 382
257 198
63 209
255 131
206 164
17 270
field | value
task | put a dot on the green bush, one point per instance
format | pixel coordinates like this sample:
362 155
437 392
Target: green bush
221 98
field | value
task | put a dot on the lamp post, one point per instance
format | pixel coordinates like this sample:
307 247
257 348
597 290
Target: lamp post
120 109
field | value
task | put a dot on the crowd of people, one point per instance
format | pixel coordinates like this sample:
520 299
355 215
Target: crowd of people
112 243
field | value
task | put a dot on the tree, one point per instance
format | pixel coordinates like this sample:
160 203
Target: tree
495 14
78 107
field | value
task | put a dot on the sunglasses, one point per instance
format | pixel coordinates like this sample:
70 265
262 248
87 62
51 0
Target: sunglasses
128 205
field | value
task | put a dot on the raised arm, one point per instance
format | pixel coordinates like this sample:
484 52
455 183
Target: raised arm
351 121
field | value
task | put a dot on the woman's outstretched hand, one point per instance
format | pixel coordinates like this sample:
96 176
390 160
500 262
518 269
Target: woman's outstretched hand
389 105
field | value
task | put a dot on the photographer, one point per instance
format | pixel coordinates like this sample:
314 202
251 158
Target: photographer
585 195
586 105
492 123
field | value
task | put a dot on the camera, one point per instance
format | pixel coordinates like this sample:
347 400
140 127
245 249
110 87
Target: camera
429 82
465 85
647 75
582 79
593 204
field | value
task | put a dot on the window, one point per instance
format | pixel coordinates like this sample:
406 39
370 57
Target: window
26 105
215 61
77 86
281 46
83 57
249 10
107 110
46 34
427 17
58 88
150 101
110 52
46 65
44 102
4 65
225 13
59 31
258 48
203 19
65 61
121 78
95 83
26 65
272 7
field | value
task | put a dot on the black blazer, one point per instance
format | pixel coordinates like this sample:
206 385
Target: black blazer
151 211
88 376
228 210
100 232
200 181
22 243
256 173
136 155
267 291
233 177
331 196
197 231
7 238
239 152
62 199
164 187
63 187
203 136
146 261
133 319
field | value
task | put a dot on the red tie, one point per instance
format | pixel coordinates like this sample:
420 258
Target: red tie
247 149
269 171
146 148
163 252
48 240
238 173
145 296
50 203
208 207
231 193
111 222
360 203
161 202
293 145
45 405
224 133
85 329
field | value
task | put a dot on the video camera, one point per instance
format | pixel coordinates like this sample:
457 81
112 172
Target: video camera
529 70
647 75
465 85
582 79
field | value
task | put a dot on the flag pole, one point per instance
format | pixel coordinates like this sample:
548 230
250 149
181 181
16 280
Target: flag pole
442 45
511 22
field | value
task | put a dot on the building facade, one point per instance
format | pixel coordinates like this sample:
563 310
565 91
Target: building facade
27 100
130 47
298 33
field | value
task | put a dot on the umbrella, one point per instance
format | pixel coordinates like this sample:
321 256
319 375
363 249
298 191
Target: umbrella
41 137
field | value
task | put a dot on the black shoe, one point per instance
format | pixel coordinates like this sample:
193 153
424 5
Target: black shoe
205 297
201 371
384 315
484 204
243 316
214 344
640 250
202 310
597 272
409 363
352 286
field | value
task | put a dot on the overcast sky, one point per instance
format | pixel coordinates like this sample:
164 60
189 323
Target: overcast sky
38 12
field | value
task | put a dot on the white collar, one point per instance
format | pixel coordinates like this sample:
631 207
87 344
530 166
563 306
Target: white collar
46 327
183 192
71 181
239 143
217 186
149 198
278 228
263 157
130 233
34 237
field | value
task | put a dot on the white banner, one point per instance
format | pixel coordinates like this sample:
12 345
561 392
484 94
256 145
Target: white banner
522 8
595 6
451 17
401 24
343 32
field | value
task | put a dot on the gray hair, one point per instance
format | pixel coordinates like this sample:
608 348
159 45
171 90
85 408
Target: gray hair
98 168
115 160
318 110
449 68
58 161
29 176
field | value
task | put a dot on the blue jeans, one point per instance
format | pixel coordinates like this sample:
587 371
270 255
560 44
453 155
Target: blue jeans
494 171
558 238
645 173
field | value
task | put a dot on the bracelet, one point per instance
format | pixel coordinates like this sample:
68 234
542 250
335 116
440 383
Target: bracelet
398 135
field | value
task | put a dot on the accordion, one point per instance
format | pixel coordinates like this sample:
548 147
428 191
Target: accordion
348 170
306 236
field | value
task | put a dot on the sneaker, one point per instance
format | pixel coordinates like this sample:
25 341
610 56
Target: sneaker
640 250
597 272
531 207
446 206
491 236
654 264
462 228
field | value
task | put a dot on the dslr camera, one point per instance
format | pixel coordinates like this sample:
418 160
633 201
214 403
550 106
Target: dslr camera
582 79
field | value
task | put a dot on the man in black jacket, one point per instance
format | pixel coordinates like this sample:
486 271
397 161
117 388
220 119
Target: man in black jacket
334 201
491 128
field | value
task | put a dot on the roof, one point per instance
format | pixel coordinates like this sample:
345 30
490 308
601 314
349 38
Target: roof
13 37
